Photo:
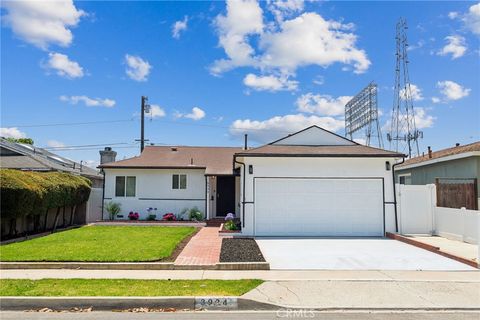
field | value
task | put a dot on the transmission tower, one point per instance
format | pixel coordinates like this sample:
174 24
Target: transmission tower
403 136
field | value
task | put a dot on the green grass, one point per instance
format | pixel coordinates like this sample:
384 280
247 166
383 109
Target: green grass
123 287
100 244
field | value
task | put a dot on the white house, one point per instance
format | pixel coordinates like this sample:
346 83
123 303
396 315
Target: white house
310 183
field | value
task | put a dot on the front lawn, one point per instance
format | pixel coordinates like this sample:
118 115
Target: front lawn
123 287
100 244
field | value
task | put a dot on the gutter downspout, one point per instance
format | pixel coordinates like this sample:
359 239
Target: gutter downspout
395 193
243 188
103 193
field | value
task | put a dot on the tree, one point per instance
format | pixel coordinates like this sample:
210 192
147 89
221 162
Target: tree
21 140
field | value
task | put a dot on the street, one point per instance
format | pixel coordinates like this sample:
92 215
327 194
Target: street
259 315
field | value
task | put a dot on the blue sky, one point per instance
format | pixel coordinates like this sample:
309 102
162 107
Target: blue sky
214 71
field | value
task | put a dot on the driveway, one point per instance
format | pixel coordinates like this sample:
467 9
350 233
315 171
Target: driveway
351 254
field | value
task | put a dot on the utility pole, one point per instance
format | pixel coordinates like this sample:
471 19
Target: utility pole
145 108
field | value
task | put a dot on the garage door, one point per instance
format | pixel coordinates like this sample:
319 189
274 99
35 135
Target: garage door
318 207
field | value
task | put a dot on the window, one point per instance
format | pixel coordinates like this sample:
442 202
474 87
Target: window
405 179
125 186
179 181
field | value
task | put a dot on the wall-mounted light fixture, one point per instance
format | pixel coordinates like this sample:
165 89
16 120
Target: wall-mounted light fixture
250 169
387 165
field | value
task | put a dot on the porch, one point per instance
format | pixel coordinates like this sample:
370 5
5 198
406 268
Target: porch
222 197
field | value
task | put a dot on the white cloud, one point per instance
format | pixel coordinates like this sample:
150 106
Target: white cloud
63 66
156 111
12 132
319 80
456 46
137 68
284 8
91 163
196 114
436 100
415 92
42 23
55 144
308 39
243 18
453 15
322 104
89 102
276 127
179 26
422 119
472 19
452 90
270 83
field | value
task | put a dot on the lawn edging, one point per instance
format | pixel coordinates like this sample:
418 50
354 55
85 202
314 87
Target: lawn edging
134 266
431 248
122 303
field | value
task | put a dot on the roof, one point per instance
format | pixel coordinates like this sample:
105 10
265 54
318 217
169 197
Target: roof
317 142
27 157
215 160
457 150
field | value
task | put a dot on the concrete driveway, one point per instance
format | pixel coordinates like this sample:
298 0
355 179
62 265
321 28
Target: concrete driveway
351 254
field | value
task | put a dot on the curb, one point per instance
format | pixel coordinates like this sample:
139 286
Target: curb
134 266
431 248
188 303
121 303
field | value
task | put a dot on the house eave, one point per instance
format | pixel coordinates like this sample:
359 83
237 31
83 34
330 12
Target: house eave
438 160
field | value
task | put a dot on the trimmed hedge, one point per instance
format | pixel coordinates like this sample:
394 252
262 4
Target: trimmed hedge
26 193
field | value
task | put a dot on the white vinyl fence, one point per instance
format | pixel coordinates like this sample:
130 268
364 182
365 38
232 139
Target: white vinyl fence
94 205
418 214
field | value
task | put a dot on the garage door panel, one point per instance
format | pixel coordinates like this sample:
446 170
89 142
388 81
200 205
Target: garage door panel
318 207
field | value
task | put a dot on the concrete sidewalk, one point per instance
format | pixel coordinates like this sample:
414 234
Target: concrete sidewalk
368 294
267 275
459 248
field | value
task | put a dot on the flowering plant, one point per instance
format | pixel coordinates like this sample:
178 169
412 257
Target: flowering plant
229 216
169 217
133 215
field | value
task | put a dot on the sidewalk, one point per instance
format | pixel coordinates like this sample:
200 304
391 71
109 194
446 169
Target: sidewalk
462 249
203 249
268 275
368 294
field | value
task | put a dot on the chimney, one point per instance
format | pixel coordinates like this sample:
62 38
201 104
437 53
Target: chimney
246 142
457 144
429 152
107 155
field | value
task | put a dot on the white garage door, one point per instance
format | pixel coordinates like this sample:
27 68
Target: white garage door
318 207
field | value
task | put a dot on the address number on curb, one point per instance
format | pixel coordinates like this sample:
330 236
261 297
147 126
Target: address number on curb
215 303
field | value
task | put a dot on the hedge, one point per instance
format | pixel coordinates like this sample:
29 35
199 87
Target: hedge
25 193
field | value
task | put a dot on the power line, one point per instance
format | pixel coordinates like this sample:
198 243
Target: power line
67 123
85 145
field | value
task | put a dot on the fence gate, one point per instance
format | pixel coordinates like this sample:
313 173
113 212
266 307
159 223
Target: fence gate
457 193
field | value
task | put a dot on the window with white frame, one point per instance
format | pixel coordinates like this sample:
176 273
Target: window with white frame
405 179
125 186
179 181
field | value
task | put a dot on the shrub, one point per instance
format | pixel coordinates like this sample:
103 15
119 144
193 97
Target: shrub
113 208
25 193
229 216
230 225
195 215
152 217
133 215
169 217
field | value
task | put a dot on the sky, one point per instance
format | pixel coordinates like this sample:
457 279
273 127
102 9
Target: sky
73 73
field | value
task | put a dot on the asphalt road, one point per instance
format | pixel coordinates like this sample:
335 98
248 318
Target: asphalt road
339 315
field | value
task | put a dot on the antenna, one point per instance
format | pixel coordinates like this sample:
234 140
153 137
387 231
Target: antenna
403 135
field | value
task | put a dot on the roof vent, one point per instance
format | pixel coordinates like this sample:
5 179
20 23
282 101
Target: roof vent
174 149
429 152
457 144
191 161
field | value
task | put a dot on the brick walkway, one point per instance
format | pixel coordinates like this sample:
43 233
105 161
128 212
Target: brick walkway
203 248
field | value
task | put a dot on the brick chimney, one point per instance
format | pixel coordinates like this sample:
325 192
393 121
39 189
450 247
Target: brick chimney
429 152
107 155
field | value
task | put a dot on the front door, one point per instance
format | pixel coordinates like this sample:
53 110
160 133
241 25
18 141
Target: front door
225 195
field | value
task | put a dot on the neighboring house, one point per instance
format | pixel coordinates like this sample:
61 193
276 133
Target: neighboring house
459 163
311 183
32 158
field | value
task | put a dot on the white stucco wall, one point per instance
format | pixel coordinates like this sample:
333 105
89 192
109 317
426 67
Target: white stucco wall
316 167
154 189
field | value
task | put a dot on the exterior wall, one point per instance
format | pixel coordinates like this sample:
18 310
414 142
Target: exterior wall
154 189
458 168
316 167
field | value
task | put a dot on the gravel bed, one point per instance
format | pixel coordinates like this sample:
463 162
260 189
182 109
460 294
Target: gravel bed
240 250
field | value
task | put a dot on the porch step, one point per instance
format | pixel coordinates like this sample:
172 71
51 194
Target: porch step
215 222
